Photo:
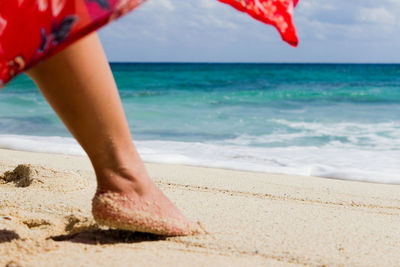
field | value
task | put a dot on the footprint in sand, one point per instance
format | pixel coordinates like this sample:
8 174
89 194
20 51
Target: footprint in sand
21 176
37 222
13 264
26 175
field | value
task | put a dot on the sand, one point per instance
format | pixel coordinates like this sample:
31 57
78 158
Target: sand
252 219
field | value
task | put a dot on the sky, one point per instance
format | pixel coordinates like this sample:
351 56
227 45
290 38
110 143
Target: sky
363 31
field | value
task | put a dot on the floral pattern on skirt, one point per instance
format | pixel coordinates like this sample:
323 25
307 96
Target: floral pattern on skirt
32 30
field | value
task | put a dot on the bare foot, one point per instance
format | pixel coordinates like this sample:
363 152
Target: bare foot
133 204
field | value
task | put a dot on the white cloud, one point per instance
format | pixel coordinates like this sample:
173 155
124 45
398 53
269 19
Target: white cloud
209 4
165 5
378 15
218 31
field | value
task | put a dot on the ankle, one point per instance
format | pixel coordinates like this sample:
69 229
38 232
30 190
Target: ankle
123 178
115 157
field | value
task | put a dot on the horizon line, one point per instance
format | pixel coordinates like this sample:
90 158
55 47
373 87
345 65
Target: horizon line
244 62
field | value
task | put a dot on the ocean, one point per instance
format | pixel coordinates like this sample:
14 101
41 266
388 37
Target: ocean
329 120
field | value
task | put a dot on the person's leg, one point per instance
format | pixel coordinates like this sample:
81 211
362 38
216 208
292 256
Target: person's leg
78 84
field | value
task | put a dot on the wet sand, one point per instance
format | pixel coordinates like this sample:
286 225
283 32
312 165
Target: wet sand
252 219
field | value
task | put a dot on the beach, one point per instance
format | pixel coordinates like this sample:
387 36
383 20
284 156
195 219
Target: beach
250 218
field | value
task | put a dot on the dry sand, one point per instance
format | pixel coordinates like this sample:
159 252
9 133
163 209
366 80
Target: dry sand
253 219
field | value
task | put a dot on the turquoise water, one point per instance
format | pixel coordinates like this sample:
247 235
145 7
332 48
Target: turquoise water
331 120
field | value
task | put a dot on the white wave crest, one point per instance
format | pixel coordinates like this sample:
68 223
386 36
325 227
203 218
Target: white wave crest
382 166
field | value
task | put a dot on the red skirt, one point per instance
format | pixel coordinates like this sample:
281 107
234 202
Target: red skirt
32 30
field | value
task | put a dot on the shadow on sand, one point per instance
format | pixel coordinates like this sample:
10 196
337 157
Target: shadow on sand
95 237
7 236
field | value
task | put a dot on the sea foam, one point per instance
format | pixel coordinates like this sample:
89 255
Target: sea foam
381 166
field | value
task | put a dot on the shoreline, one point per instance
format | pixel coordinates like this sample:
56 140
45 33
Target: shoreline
324 162
252 218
